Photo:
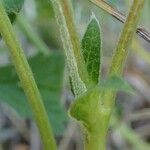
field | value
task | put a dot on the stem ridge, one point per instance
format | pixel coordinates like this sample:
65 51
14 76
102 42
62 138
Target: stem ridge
27 80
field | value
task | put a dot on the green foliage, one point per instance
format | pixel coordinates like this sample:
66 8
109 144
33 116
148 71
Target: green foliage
87 105
91 48
44 9
48 72
89 110
116 83
12 7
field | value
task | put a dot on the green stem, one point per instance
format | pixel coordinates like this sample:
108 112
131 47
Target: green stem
126 38
95 139
107 97
32 36
71 45
68 14
121 52
94 118
27 80
95 142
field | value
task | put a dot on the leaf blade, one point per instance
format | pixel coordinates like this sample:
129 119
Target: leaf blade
91 49
48 72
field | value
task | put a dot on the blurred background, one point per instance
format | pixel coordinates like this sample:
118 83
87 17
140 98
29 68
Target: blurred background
37 30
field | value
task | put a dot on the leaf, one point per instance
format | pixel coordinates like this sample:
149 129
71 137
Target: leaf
91 48
13 7
48 73
118 84
44 9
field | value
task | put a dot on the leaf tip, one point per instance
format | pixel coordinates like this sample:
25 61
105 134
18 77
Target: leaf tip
93 18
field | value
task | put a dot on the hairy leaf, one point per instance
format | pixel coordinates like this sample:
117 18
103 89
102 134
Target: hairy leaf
48 73
91 48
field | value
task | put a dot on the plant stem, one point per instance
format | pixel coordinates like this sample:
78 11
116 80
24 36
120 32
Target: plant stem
104 110
71 45
126 38
68 14
32 36
119 16
96 138
27 80
95 143
120 55
121 52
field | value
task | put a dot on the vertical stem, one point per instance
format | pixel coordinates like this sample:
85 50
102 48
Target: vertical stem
32 36
126 37
95 143
95 139
68 14
69 46
27 80
121 52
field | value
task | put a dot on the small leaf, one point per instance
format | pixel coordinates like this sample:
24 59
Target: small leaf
13 7
118 84
91 48
48 73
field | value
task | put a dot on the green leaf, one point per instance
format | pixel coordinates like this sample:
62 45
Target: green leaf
118 84
44 9
48 73
91 48
12 7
